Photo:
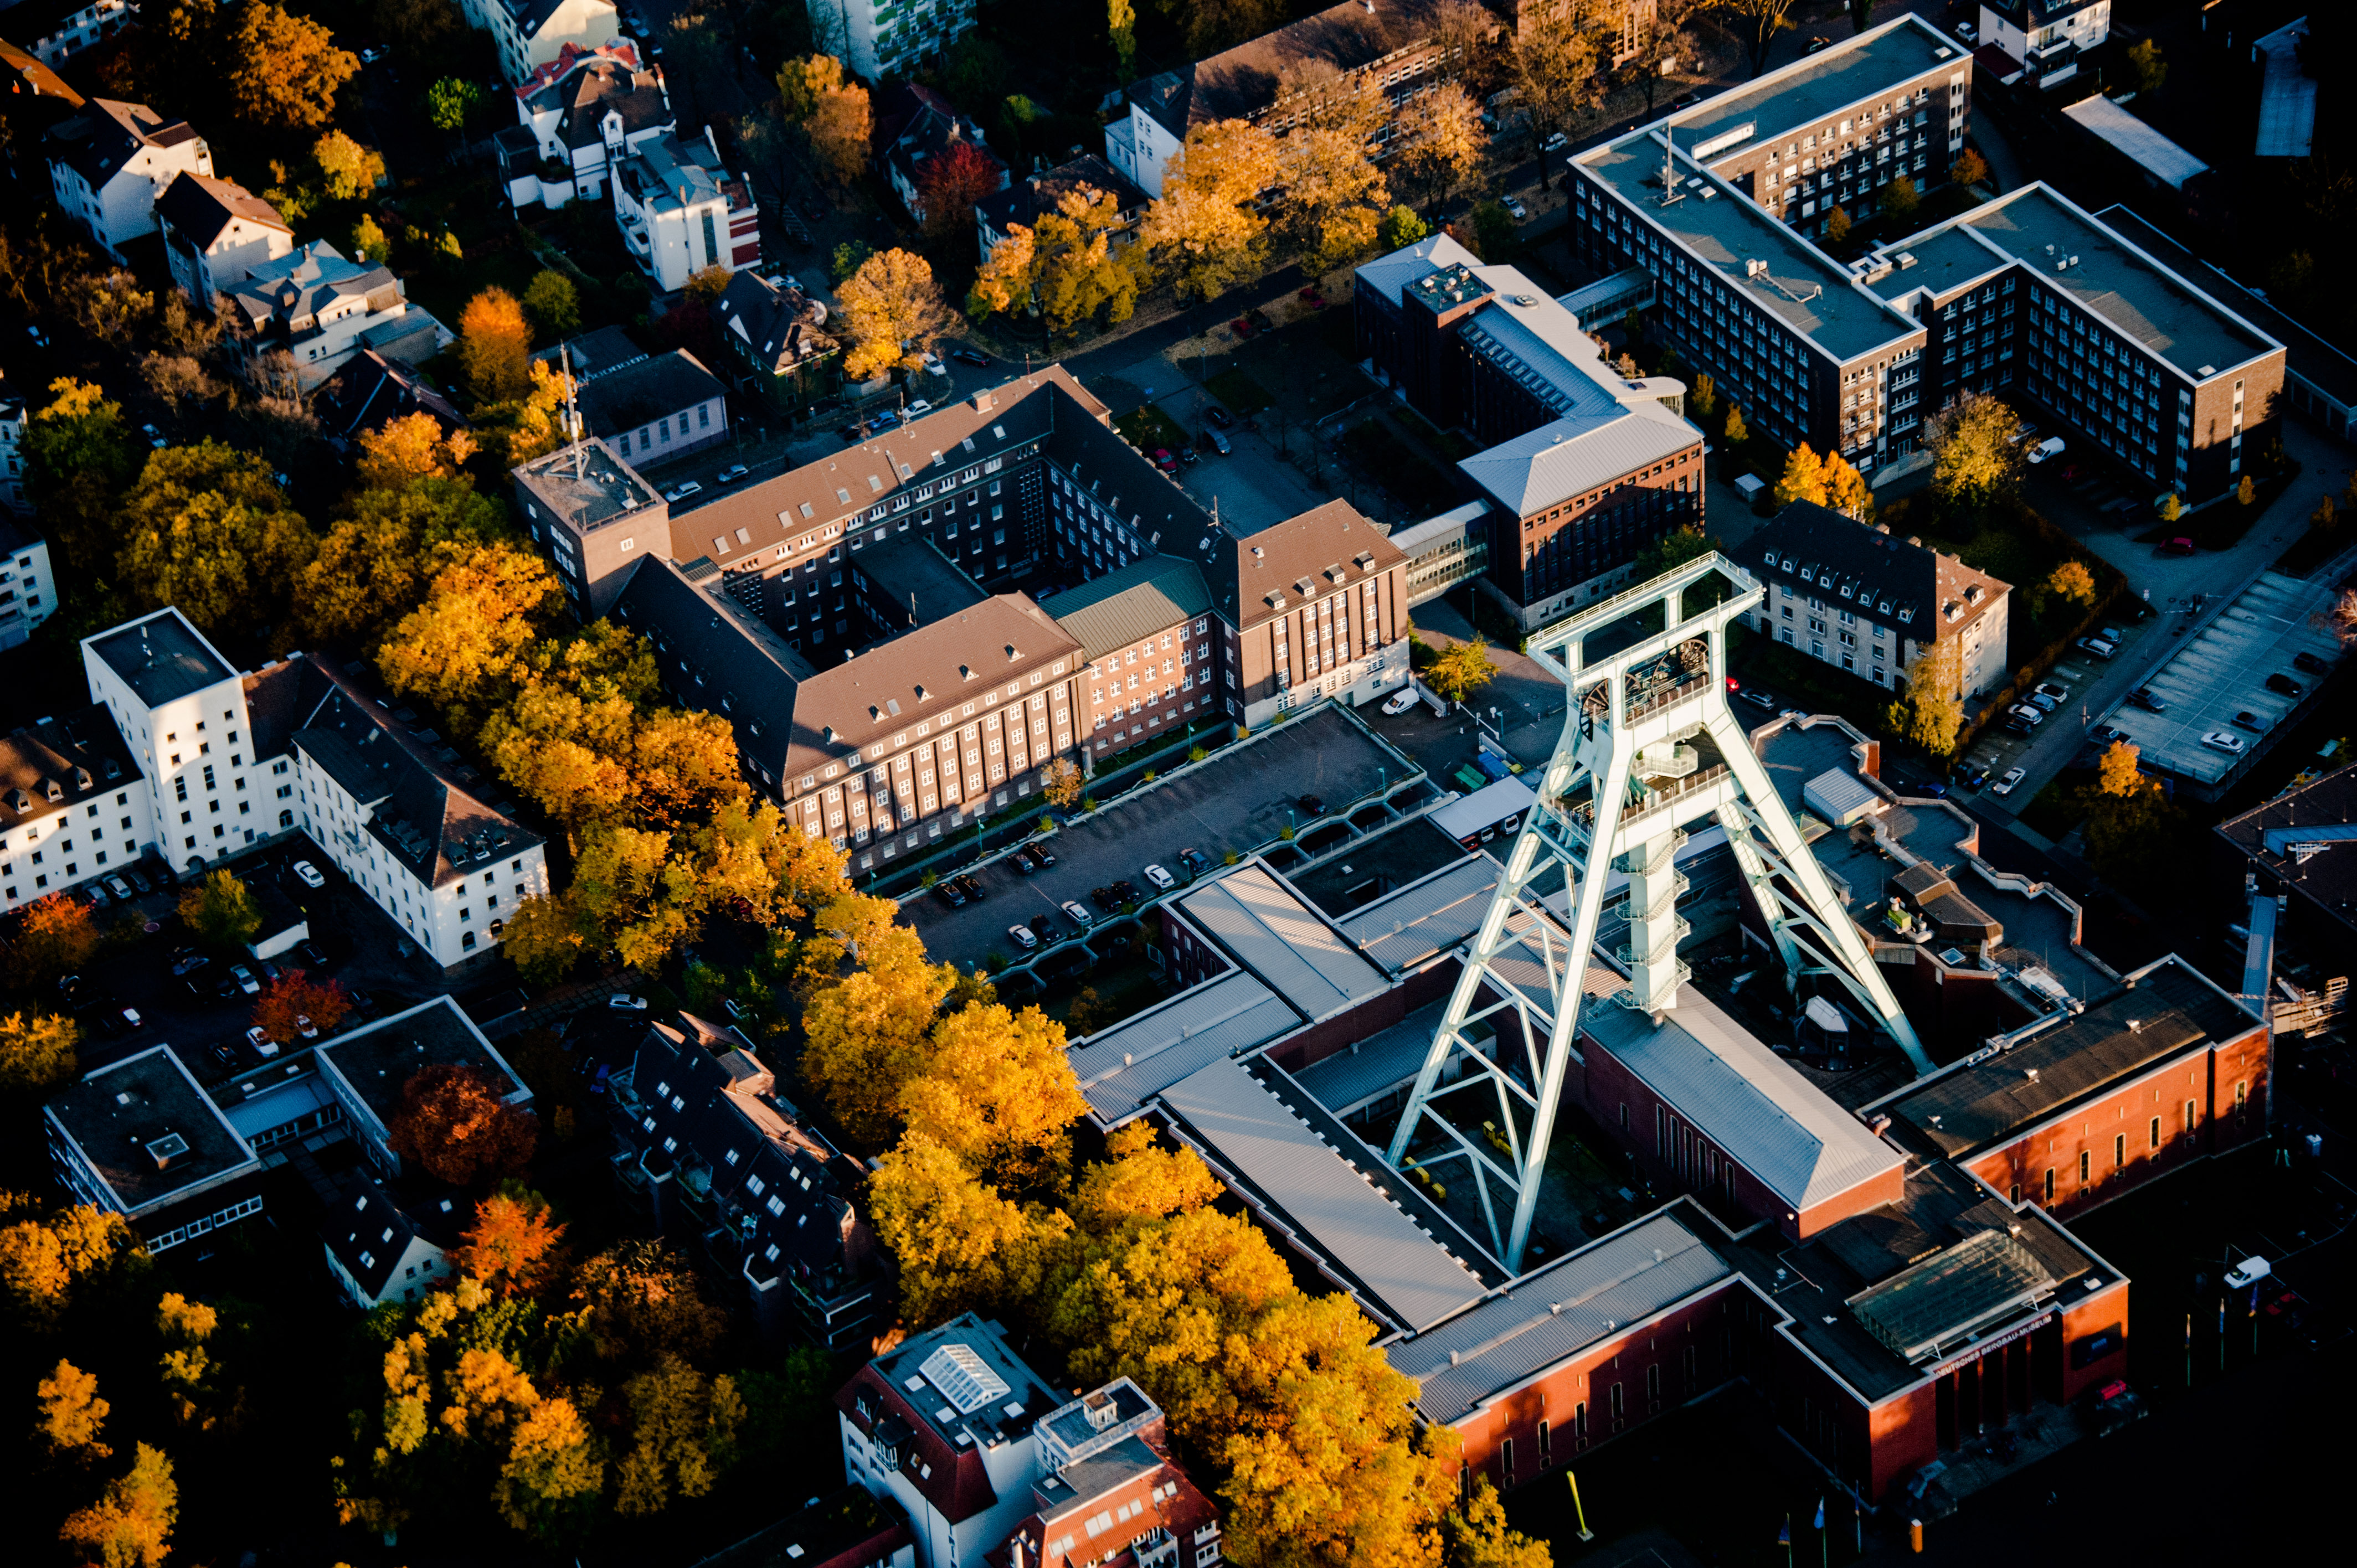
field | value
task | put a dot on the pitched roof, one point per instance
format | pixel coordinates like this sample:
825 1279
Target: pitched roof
776 328
621 50
200 208
925 1403
645 389
1023 200
716 656
369 391
307 281
1567 458
1303 557
370 1234
81 757
33 79
1144 597
1240 82
1918 584
97 143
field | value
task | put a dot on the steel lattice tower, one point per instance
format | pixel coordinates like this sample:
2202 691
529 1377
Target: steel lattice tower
1625 780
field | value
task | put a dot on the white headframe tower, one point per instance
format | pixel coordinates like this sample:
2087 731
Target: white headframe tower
1648 747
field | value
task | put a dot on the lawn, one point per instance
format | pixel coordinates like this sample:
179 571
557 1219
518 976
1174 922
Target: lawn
1239 393
1147 427
2055 809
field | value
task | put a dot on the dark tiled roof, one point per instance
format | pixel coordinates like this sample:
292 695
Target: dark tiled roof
1876 567
160 658
278 698
1298 559
371 390
97 144
368 1233
600 86
79 758
777 328
595 351
2322 870
716 657
642 391
1023 201
1247 79
200 208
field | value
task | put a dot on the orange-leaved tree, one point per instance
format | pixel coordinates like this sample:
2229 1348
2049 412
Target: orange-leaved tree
293 1000
455 1124
513 1244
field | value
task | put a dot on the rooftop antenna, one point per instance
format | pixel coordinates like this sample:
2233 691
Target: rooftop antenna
572 411
1670 192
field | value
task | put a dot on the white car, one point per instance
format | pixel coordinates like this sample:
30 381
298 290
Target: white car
681 492
918 407
1160 878
1079 915
2218 740
1401 701
155 437
933 366
730 474
2248 1273
2005 786
1967 32
1023 937
1516 211
627 1003
2049 447
308 875
1557 141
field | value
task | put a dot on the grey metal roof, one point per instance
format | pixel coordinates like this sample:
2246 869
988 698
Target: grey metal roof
1386 276
1123 1067
1140 599
1556 1312
2151 151
1576 453
1374 1066
1412 1278
1265 929
1426 917
1712 1072
1820 86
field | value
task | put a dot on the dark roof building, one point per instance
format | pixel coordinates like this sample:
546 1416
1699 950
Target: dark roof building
773 328
641 398
1131 602
1088 176
139 1138
371 392
201 208
913 126
367 1067
713 654
849 1528
380 1251
2303 845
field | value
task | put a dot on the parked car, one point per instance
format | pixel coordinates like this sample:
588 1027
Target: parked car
1161 878
2175 547
1312 805
969 357
2311 663
969 885
2280 683
1043 855
951 894
2044 702
1515 210
2251 721
1194 862
1078 916
156 437
40 338
1219 416
1241 327
308 875
120 888
2105 735
139 880
731 474
1165 461
1312 298
1187 454
304 1027
1967 32
2098 647
933 366
186 962
621 1004
1972 775
1556 142
2026 714
1401 701
308 952
918 408
1023 864
2218 740
1219 442
1045 928
1023 937
1105 898
2013 778
244 979
264 1046
96 896
2143 697
2049 447
681 492
1124 891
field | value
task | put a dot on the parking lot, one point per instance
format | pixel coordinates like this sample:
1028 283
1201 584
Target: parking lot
1249 795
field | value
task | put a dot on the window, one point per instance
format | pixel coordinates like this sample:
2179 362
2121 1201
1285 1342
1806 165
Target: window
2050 1184
2086 1160
2119 1150
2156 1132
1506 1456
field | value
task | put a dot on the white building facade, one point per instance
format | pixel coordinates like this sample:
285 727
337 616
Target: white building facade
876 37
681 212
531 33
109 163
74 809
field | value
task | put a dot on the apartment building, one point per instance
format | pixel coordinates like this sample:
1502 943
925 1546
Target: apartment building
681 211
321 310
1153 653
11 492
726 1167
28 597
530 34
577 116
1583 469
1108 1486
1859 597
56 30
367 1069
886 37
74 807
109 163
1316 608
2045 38
140 1139
773 328
215 233
1385 44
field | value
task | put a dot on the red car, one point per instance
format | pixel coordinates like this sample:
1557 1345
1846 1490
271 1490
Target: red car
1313 299
1165 461
1241 327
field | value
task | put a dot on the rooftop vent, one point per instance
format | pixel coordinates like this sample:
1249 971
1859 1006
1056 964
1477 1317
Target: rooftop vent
166 1149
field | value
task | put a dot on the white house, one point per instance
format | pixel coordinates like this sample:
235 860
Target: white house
575 117
109 163
74 807
379 1251
669 404
53 30
12 465
368 1069
880 37
322 309
215 233
681 211
2046 38
531 33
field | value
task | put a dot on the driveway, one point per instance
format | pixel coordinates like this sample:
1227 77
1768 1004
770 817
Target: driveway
1243 799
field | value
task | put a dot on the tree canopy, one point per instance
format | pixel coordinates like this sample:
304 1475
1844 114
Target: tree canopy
1206 233
457 1125
1974 456
1460 668
891 310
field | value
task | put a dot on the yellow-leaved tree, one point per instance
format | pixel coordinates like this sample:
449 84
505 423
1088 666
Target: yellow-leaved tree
1206 232
892 311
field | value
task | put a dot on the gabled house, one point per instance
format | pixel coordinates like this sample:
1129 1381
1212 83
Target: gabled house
913 126
530 34
108 164
681 211
55 31
380 1252
577 116
215 233
1025 199
74 807
725 1163
322 309
369 391
773 328
655 406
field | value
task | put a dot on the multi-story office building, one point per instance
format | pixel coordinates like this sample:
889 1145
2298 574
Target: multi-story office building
1154 659
531 33
1852 358
883 38
1315 608
1860 599
1583 466
139 1138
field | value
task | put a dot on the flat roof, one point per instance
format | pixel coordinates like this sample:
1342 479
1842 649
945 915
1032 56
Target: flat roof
589 486
1264 927
1987 1276
1821 85
2223 672
1484 808
1428 917
1121 1068
147 1130
161 657
2109 277
1945 260
2166 1010
1337 1207
1743 1097
2146 147
1552 1314
1727 231
376 1061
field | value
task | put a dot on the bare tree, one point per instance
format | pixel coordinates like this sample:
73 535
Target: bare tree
1651 42
1759 22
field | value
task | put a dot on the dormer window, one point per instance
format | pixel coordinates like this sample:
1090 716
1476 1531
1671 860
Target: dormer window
1845 590
1771 558
1808 573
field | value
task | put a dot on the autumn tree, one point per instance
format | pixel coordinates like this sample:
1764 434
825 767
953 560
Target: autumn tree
38 1052
1334 194
177 380
951 182
407 451
867 1032
512 1244
2130 823
840 127
80 454
1837 226
456 1122
1757 23
495 346
2070 581
1062 784
1206 232
1478 1536
45 1257
188 1368
1554 63
961 1245
55 936
1970 167
1068 265
1461 668
73 1415
283 71
1121 26
997 1090
1974 457
291 999
640 1302
1736 430
373 565
553 304
1652 39
1441 142
2146 71
1931 712
803 84
892 311
1803 478
346 170
109 305
220 909
683 1435
131 1525
554 1471
460 648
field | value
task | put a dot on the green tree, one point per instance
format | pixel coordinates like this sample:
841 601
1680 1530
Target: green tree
1461 667
1672 551
206 529
1900 199
450 101
1930 713
1974 456
347 169
553 304
1400 229
38 1052
131 1526
1121 21
683 1435
1495 240
221 910
369 242
2146 68
283 71
848 258
79 453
